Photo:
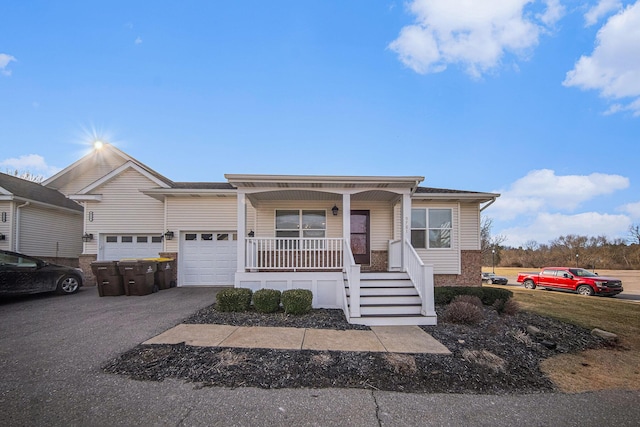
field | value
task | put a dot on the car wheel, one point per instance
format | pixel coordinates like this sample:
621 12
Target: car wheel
529 284
68 285
489 281
585 290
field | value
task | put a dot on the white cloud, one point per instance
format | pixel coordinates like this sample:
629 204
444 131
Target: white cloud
549 226
543 189
5 59
552 13
614 66
32 163
603 8
474 34
138 40
633 209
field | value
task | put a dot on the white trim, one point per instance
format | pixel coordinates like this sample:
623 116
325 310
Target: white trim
86 197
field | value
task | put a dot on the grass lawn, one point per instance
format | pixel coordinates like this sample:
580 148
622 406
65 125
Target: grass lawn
612 368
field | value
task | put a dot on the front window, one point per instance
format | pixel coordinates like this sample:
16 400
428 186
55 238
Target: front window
431 228
311 224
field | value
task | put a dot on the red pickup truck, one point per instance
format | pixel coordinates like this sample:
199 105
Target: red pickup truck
577 280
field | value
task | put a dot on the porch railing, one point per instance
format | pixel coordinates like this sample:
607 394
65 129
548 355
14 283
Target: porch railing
422 277
285 253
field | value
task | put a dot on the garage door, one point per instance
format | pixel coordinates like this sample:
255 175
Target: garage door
119 246
208 258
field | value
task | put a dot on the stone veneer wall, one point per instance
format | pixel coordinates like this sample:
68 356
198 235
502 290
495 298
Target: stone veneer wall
379 261
471 272
84 262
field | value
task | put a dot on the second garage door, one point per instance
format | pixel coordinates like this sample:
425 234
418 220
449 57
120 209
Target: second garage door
208 258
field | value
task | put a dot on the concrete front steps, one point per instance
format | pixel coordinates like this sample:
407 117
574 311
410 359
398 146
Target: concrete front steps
388 299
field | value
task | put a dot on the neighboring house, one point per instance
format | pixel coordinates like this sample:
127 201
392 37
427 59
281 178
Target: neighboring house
39 221
339 236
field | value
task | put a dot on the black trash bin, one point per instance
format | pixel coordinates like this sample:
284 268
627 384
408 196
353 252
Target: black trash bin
138 276
165 272
108 278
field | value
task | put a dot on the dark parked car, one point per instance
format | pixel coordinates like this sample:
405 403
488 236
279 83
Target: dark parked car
492 279
22 274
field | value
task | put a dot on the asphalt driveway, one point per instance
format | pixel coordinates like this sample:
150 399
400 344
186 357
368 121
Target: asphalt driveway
52 347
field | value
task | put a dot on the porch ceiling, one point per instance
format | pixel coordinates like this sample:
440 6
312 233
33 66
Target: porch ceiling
299 194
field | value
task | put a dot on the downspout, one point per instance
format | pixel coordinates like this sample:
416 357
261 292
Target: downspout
17 242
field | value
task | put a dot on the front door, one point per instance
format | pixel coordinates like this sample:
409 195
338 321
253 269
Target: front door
360 237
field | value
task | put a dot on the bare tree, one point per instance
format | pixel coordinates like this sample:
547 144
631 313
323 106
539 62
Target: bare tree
26 175
634 234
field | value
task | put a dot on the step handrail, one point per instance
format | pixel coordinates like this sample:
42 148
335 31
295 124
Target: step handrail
421 276
352 271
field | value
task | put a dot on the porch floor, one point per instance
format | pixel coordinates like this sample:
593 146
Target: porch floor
392 339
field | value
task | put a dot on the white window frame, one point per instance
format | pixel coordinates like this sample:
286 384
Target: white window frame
299 228
428 228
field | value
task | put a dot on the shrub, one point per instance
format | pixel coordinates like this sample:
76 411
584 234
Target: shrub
297 301
267 300
490 295
445 294
508 306
471 299
236 299
463 313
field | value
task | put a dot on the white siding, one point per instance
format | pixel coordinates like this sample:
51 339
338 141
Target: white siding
469 226
445 261
49 232
266 216
381 222
200 214
5 227
124 209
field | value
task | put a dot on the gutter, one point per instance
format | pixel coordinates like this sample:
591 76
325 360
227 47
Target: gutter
17 241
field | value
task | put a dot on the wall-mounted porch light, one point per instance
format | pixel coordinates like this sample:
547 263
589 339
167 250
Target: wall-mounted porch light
87 237
251 234
4 217
3 237
335 210
168 235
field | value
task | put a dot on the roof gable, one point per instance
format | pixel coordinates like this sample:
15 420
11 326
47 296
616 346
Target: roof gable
97 156
117 172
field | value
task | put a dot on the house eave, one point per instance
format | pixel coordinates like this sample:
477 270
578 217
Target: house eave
463 197
322 181
162 193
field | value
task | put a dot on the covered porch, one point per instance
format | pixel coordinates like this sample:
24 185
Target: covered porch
329 235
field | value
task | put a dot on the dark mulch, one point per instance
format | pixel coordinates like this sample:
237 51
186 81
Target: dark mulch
495 357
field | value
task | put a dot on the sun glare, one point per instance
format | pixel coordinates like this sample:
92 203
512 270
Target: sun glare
98 145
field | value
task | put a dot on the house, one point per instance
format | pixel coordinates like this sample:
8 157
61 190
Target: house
39 221
374 246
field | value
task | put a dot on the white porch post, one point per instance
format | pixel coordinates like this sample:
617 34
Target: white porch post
346 217
406 227
242 231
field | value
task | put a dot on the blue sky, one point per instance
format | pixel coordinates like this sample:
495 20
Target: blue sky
536 100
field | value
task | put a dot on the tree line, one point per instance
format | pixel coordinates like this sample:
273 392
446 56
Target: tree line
571 250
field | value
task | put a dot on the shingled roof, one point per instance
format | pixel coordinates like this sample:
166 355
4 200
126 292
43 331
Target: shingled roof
25 190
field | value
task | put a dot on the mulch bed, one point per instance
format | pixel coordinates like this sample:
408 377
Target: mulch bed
495 357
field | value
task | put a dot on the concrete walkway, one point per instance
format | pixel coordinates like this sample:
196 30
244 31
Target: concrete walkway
393 339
